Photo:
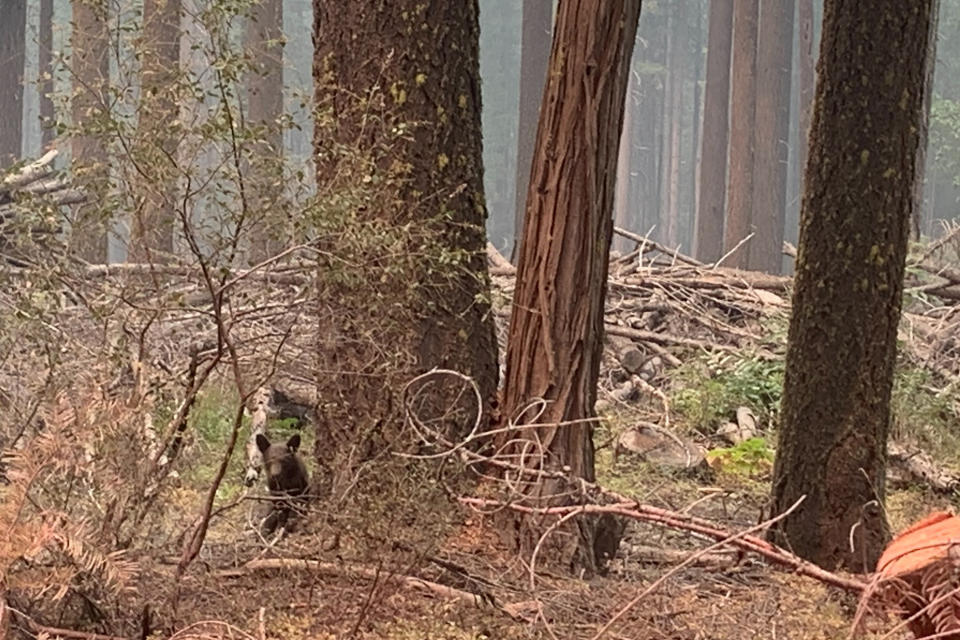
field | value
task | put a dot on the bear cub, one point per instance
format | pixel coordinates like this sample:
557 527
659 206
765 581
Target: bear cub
287 480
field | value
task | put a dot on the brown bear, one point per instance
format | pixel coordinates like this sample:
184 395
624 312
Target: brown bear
287 480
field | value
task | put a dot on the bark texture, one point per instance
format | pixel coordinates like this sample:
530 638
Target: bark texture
13 28
713 157
743 95
556 328
398 89
151 234
534 56
771 132
855 222
91 72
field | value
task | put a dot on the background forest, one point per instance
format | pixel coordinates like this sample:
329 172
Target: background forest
489 319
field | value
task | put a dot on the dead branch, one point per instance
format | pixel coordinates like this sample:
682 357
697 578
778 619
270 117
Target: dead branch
356 571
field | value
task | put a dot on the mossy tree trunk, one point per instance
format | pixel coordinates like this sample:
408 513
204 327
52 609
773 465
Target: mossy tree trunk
399 153
855 221
556 329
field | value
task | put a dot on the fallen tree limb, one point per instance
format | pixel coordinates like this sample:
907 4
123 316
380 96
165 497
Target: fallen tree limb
356 571
676 520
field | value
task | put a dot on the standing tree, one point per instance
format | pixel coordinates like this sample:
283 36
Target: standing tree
90 69
855 223
713 158
918 188
398 142
536 23
771 134
45 65
743 97
13 29
556 329
151 234
805 91
265 107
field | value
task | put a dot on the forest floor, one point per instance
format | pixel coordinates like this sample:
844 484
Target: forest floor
378 566
688 399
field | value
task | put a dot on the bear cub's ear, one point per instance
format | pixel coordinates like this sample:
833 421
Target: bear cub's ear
262 443
294 442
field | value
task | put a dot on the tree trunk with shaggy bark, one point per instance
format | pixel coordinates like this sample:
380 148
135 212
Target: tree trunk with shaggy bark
556 329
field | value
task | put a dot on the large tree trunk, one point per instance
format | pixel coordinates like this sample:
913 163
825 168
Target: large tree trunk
13 29
855 223
743 96
556 328
91 73
151 234
713 157
772 132
534 54
408 127
265 106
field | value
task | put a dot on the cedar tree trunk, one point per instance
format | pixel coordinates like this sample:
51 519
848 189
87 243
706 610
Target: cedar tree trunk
855 222
556 328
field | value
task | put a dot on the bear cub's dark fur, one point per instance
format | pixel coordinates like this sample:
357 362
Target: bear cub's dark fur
287 480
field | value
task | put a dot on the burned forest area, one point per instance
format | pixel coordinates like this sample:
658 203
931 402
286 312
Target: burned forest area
487 319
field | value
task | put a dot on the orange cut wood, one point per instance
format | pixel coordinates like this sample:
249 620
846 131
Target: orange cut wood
920 544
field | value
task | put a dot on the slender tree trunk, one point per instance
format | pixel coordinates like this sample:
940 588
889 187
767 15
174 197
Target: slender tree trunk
13 29
265 107
713 158
694 184
151 235
855 223
393 311
624 205
45 65
537 24
91 73
772 133
556 329
743 96
918 189
668 117
805 94
677 66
